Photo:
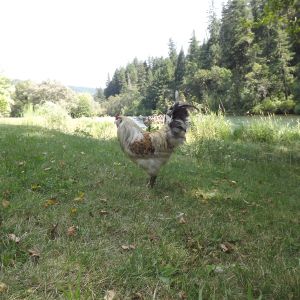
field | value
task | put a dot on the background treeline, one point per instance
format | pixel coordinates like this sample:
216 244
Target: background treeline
19 97
249 63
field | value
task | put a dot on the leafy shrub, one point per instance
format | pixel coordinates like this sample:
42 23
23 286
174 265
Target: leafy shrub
6 90
286 106
55 116
274 106
84 106
297 109
127 103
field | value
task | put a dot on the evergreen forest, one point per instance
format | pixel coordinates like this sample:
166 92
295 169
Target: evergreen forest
249 64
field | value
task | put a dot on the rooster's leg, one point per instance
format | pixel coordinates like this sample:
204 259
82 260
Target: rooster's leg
152 181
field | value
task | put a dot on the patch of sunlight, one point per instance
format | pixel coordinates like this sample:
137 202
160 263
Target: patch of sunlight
95 127
206 196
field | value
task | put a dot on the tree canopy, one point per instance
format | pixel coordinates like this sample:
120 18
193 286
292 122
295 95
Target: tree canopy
250 58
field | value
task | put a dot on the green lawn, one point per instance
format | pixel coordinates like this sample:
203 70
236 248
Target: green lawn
225 228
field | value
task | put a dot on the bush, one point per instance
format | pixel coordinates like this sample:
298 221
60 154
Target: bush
84 106
55 116
274 106
297 109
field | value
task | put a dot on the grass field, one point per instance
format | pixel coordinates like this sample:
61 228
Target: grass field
77 221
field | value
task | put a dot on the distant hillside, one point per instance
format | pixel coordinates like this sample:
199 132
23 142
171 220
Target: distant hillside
81 89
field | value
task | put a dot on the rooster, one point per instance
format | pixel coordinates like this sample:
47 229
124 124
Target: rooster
151 150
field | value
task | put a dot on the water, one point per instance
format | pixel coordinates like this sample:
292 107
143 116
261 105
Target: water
290 121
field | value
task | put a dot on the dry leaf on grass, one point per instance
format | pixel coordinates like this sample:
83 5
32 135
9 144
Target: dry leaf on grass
182 220
35 187
71 231
73 211
48 169
182 295
5 203
62 163
227 247
110 295
34 255
103 212
153 237
137 296
128 247
80 197
51 202
3 287
14 238
53 231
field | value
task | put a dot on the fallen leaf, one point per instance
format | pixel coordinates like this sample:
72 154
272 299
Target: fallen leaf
73 211
137 296
5 203
51 202
153 237
48 169
14 238
21 163
35 186
34 255
103 212
219 269
3 287
82 153
232 182
128 247
80 197
182 295
6 194
110 295
71 231
182 220
62 163
227 247
53 232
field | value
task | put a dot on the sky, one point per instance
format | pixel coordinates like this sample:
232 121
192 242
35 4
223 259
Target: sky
80 42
